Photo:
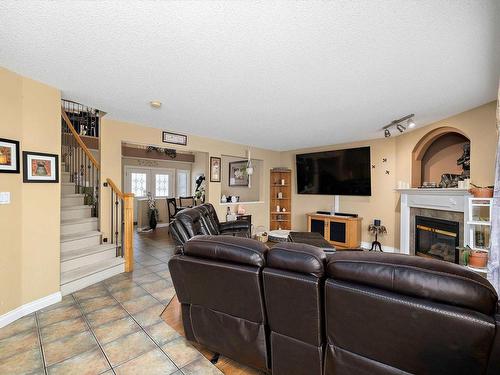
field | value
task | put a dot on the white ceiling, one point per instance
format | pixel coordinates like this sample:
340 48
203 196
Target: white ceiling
276 74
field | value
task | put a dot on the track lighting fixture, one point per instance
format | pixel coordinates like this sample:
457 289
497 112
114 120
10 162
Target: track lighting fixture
400 124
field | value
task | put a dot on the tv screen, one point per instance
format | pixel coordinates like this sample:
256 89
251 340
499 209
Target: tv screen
339 172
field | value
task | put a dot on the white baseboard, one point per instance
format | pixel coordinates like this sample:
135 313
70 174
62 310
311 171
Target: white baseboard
28 308
386 249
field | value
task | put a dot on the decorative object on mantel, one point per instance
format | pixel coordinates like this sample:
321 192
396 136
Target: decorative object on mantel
9 156
452 180
400 124
153 212
215 168
376 228
170 152
481 192
174 138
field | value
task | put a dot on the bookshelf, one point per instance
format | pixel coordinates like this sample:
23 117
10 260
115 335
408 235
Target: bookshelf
280 195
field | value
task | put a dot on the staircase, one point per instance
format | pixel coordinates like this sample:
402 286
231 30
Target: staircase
85 259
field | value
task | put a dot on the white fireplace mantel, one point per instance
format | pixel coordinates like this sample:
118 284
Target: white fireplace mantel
435 199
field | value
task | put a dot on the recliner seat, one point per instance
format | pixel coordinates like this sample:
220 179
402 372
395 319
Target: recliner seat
203 220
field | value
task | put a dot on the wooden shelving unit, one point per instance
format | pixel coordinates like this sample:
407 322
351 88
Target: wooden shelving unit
281 195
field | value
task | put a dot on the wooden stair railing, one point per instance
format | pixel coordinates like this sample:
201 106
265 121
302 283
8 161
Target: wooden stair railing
84 173
123 235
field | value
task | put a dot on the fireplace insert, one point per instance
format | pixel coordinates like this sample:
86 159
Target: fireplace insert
437 238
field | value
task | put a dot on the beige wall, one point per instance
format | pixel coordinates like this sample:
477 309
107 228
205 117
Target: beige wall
478 125
30 225
246 193
114 132
380 205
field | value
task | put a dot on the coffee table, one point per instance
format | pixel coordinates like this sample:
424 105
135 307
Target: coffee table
311 238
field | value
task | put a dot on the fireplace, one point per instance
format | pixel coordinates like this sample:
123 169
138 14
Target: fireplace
437 238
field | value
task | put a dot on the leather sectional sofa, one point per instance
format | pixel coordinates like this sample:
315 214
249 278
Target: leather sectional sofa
292 310
203 220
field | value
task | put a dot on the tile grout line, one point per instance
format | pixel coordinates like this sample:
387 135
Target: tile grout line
45 370
77 302
147 334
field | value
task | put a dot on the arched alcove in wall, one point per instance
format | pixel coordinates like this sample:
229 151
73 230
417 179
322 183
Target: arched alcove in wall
436 153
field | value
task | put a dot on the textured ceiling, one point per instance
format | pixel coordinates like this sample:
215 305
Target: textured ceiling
275 74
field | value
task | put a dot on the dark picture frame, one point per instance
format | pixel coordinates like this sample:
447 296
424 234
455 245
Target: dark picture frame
215 169
9 149
237 174
47 167
174 138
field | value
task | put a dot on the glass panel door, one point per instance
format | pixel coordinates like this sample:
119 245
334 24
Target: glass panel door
164 183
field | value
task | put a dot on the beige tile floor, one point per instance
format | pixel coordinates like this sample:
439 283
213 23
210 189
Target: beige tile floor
112 327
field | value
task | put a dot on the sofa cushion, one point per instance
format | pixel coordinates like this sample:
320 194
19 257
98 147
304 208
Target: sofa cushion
297 257
415 276
228 249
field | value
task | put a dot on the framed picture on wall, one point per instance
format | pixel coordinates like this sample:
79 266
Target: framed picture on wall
40 167
237 173
9 156
174 138
215 169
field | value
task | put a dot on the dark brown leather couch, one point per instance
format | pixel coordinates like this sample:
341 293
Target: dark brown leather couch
219 285
203 220
291 310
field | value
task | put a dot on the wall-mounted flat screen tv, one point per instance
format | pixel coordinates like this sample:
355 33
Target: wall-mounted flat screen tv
339 172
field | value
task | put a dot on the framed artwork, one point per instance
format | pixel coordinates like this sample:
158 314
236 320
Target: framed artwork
174 138
237 173
39 167
9 156
215 169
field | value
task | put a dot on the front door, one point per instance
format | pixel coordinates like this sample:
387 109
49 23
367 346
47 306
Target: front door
159 182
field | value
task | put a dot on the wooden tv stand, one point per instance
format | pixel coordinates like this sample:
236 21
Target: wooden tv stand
341 231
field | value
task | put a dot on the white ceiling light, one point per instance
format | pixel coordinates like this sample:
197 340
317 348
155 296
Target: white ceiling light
155 104
411 123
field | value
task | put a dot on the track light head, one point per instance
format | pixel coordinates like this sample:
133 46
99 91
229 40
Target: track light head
387 133
400 127
410 123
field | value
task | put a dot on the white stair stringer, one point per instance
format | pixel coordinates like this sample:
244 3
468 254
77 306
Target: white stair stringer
84 259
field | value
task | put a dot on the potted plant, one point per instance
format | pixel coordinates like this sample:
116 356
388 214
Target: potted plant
153 212
481 191
475 258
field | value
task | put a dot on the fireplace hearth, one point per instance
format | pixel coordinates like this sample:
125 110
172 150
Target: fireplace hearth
437 238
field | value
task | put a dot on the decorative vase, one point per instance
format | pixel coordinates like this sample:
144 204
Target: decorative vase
478 259
152 219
